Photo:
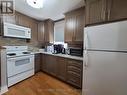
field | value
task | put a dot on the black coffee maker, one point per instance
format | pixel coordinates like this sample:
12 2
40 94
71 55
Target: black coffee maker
58 48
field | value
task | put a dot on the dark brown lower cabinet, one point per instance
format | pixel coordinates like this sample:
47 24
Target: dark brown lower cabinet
61 68
37 62
49 64
65 69
74 72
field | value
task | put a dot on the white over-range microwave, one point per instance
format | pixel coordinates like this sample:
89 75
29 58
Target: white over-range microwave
12 30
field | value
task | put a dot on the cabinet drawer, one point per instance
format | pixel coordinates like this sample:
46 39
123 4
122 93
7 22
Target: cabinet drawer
74 79
74 69
75 63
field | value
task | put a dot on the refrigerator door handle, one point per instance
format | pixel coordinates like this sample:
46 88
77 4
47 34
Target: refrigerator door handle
86 58
86 41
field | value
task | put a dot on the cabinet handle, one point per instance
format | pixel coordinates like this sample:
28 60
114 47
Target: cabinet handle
86 40
109 13
73 80
85 60
104 17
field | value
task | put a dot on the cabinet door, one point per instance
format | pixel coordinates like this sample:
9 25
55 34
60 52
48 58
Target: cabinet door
74 25
117 9
49 31
37 62
24 20
79 27
74 72
41 30
34 29
70 24
61 68
44 66
49 64
95 11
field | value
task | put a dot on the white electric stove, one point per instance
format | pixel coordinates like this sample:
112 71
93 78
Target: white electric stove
20 64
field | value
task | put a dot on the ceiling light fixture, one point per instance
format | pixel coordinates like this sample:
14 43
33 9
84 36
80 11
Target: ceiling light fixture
35 3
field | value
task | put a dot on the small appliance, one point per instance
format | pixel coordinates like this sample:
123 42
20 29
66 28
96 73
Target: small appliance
75 51
58 48
50 49
12 30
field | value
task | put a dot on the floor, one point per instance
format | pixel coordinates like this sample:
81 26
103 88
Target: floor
42 84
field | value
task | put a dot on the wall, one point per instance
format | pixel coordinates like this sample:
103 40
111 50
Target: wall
15 41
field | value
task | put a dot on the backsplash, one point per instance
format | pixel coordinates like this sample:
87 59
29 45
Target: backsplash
33 45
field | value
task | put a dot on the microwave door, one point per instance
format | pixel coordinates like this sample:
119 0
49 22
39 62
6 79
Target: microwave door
11 30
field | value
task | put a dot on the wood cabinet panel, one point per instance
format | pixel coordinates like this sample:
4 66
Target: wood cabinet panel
95 11
51 61
23 20
74 72
74 79
43 63
116 9
74 25
69 29
65 69
79 28
61 68
34 29
46 31
98 11
41 31
49 64
49 31
37 62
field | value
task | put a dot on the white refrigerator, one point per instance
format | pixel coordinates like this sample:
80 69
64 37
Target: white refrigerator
105 59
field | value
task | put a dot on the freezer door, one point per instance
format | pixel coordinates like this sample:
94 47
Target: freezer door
105 74
111 36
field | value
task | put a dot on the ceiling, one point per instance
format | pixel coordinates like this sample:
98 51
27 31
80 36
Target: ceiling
53 9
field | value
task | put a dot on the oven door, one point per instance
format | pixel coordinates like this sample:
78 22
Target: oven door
19 65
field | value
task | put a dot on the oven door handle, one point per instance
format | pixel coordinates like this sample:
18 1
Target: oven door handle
21 57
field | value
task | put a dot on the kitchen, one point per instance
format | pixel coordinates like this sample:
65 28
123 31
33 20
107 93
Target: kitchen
53 51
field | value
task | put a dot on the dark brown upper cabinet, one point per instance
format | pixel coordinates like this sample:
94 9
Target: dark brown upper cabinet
41 31
116 9
49 31
46 31
34 29
101 11
95 11
74 25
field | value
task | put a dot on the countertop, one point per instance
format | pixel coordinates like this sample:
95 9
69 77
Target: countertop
2 47
61 55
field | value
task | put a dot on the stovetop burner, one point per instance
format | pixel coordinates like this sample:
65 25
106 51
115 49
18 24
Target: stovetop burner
27 52
11 54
